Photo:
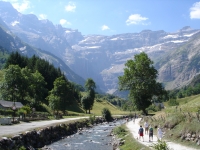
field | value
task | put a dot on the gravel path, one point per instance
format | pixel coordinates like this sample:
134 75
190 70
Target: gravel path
22 127
134 127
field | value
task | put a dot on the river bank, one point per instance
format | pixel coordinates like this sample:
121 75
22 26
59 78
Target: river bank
45 136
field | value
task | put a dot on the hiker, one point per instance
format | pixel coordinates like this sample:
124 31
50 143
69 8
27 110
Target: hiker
133 120
146 127
140 132
127 120
134 117
150 133
159 133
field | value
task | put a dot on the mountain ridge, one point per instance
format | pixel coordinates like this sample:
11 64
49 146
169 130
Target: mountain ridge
13 43
103 57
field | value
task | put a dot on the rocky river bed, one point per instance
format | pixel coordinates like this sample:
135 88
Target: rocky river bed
98 137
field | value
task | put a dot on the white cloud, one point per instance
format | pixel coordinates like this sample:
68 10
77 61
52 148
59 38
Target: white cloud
70 7
195 11
42 16
20 6
135 19
104 27
63 22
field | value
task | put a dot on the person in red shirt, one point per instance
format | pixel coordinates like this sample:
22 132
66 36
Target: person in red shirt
141 133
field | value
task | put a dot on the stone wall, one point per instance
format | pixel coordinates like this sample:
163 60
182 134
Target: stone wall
40 138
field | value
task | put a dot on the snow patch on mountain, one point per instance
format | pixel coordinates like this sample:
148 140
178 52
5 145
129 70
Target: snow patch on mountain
22 48
14 23
174 36
189 35
179 41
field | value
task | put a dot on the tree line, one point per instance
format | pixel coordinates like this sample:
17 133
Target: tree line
34 81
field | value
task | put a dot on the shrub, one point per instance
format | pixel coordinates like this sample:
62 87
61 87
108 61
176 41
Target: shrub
153 108
6 112
92 119
22 148
119 131
161 145
173 102
106 114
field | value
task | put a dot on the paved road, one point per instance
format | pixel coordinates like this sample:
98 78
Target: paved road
22 127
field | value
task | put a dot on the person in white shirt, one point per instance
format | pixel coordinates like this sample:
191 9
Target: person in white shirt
159 133
146 127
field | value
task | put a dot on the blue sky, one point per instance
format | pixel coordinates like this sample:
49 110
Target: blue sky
109 17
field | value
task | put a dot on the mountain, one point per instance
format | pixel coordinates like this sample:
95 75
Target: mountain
179 67
12 43
102 58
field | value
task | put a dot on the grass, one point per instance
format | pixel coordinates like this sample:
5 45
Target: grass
178 122
98 106
187 104
130 142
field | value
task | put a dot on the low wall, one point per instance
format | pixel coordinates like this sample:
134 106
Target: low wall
45 136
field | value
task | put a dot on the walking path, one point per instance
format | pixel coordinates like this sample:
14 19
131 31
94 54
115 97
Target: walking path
134 127
26 126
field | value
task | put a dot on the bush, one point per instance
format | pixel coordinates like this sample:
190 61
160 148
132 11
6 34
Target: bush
119 131
173 102
106 114
153 108
161 145
22 148
92 119
6 112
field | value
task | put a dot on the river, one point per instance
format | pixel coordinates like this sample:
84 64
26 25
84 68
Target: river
95 138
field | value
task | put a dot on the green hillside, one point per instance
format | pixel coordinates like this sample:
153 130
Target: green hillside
76 109
187 104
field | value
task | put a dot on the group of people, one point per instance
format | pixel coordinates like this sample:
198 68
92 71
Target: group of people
148 129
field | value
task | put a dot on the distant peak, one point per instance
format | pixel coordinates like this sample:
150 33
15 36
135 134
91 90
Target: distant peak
143 31
186 28
5 5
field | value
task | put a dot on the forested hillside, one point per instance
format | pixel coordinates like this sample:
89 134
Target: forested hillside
31 80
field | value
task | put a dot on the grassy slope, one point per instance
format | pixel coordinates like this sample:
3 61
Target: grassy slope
98 106
76 109
187 104
182 120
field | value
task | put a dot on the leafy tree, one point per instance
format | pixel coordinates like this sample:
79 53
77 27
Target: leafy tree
12 83
90 86
140 79
37 89
60 96
54 103
85 102
26 91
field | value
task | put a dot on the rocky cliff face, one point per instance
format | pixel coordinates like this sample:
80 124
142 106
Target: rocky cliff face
102 57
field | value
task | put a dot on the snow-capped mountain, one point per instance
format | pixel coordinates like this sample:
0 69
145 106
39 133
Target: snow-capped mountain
96 56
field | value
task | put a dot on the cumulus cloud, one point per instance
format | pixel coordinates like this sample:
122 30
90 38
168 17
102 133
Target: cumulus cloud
70 7
64 22
42 17
104 27
135 19
195 11
20 6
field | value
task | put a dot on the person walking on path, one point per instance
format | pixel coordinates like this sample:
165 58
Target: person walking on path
159 133
134 117
141 133
146 127
150 133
